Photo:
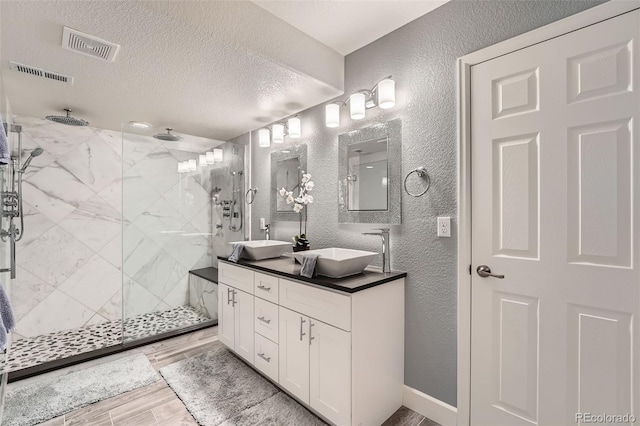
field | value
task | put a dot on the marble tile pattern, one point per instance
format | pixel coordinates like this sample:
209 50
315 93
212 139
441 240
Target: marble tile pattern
28 352
203 296
107 219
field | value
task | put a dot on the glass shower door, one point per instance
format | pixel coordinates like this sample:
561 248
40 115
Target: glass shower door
167 206
5 275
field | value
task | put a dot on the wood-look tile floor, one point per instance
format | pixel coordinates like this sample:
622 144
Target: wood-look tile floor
157 404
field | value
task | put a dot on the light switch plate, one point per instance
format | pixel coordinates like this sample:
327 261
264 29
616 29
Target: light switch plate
444 227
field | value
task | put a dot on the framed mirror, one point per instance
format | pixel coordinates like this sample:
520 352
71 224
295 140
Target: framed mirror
370 166
286 170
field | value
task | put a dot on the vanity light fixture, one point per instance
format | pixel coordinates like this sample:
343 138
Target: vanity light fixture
202 160
218 154
264 137
192 166
182 168
277 133
210 157
292 128
295 127
382 95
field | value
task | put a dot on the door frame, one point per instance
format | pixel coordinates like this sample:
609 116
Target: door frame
583 19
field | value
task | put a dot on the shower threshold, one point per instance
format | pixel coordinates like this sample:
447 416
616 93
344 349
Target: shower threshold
27 354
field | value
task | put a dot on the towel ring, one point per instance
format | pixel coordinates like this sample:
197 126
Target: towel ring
420 172
253 197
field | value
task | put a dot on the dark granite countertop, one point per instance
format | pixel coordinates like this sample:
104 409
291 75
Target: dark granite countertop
287 267
210 274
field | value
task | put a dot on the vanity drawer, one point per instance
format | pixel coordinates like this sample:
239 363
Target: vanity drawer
266 287
266 319
266 357
323 305
235 276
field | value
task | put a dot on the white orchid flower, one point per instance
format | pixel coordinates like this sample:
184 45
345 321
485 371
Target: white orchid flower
308 199
289 199
309 186
297 207
283 192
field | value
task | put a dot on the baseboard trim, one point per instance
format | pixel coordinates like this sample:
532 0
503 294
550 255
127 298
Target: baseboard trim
429 406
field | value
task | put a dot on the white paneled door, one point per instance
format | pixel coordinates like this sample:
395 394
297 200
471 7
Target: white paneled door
555 204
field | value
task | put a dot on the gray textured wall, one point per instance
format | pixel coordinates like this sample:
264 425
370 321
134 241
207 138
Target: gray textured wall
421 56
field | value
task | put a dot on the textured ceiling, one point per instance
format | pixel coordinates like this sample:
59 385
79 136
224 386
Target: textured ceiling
207 68
348 25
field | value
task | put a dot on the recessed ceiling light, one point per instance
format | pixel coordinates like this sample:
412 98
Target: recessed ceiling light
285 151
139 124
369 167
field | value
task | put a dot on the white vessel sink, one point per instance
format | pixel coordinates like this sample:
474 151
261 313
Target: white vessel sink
263 249
338 262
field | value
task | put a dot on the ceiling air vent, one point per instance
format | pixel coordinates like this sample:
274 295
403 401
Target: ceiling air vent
89 45
39 72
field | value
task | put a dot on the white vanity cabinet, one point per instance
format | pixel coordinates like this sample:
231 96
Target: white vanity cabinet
235 321
339 353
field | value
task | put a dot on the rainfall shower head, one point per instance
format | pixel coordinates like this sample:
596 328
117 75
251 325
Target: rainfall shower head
33 154
67 119
167 136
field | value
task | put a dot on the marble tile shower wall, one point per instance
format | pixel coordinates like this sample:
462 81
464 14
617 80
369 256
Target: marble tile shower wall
70 262
169 219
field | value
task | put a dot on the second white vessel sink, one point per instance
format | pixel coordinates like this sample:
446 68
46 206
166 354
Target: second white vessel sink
263 249
338 262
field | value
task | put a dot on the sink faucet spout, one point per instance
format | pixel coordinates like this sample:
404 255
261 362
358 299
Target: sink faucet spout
386 247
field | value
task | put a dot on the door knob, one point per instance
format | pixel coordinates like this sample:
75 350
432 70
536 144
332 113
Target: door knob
484 271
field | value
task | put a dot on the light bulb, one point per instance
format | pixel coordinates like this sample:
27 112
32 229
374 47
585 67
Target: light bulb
181 168
192 166
386 93
278 133
217 154
211 159
202 160
264 138
356 102
294 127
332 115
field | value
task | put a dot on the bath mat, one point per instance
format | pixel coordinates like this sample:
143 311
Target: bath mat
218 388
47 399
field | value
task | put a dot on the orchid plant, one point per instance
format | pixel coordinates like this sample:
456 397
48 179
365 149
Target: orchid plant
303 199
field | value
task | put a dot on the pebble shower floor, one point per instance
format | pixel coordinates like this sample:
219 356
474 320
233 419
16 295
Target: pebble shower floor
32 351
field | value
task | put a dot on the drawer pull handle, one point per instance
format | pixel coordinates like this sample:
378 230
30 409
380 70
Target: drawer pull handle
311 324
234 297
266 358
229 299
261 287
265 320
302 333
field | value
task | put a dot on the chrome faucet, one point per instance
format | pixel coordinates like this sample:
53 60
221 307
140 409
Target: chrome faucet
266 232
386 249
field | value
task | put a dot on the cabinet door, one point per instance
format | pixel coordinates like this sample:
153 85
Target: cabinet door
330 372
294 353
243 306
226 317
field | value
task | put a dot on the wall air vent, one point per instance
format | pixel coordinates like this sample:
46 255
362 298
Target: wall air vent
39 72
89 45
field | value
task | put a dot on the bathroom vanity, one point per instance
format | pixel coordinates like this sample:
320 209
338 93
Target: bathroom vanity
336 345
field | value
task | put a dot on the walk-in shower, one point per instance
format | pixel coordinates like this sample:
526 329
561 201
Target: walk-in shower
117 247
